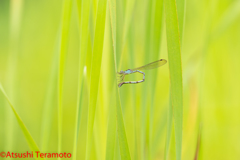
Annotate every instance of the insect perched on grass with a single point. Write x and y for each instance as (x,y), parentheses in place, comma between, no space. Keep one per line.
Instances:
(152,65)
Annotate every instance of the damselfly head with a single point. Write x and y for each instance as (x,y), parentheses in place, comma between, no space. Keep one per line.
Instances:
(120,76)
(121,72)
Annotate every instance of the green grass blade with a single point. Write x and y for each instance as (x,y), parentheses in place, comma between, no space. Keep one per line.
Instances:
(133,101)
(49,105)
(169,129)
(112,123)
(31,143)
(111,139)
(95,69)
(78,116)
(152,35)
(67,9)
(83,18)
(229,17)
(122,139)
(175,69)
(155,38)
(16,8)
(157,26)
(112,13)
(128,18)
(84,36)
(78,3)
(180,14)
(196,157)
(112,126)
(159,132)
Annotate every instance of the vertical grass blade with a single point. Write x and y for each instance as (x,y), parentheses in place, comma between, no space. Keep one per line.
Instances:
(111,139)
(157,26)
(133,101)
(231,16)
(169,129)
(175,69)
(180,14)
(159,132)
(156,30)
(50,98)
(128,18)
(78,3)
(95,69)
(122,139)
(112,125)
(83,19)
(196,157)
(78,115)
(16,8)
(84,35)
(67,9)
(31,143)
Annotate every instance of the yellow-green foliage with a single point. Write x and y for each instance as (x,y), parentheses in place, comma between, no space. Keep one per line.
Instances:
(59,93)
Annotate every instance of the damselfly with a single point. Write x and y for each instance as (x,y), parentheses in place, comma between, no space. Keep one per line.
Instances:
(152,65)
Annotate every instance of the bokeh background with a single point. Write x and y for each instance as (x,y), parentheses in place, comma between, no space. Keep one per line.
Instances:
(210,50)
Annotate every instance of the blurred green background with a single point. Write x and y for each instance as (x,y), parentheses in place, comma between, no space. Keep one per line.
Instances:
(29,47)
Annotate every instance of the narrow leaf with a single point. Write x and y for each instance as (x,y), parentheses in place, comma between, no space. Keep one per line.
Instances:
(169,129)
(95,69)
(180,14)
(83,18)
(31,143)
(198,144)
(50,98)
(122,139)
(112,126)
(231,15)
(175,68)
(67,5)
